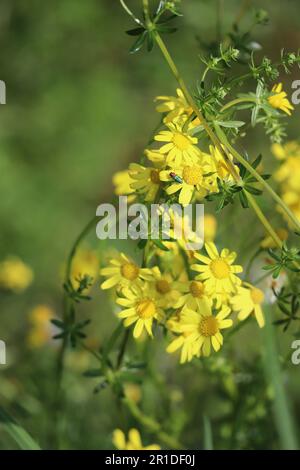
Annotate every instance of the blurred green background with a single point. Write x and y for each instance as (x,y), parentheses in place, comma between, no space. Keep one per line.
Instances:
(79,108)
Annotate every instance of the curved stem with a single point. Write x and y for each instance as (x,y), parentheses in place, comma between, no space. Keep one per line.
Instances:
(77,242)
(237,101)
(131,14)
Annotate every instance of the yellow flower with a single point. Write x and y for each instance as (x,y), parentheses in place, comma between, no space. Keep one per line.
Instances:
(199,331)
(288,174)
(248,301)
(192,181)
(210,227)
(133,392)
(194,292)
(123,272)
(15,275)
(145,180)
(292,200)
(40,331)
(141,308)
(86,262)
(122,181)
(134,441)
(217,270)
(268,241)
(279,100)
(220,166)
(156,157)
(174,106)
(167,290)
(179,147)
(282,152)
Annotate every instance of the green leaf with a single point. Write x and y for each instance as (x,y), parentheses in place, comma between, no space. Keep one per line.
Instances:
(231,124)
(93,373)
(252,190)
(243,200)
(16,432)
(150,41)
(160,245)
(257,161)
(138,43)
(135,31)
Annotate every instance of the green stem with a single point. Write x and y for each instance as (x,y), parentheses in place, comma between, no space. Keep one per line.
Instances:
(76,244)
(282,415)
(237,101)
(152,425)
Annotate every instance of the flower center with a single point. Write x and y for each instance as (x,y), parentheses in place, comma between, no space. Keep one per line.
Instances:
(163,286)
(257,295)
(145,308)
(192,175)
(154,176)
(181,141)
(209,326)
(220,268)
(130,271)
(197,289)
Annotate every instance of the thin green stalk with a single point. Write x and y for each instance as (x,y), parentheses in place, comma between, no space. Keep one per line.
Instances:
(237,101)
(208,437)
(130,13)
(282,414)
(152,426)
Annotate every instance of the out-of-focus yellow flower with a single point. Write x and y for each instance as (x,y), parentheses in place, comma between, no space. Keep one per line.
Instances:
(156,157)
(288,176)
(173,106)
(134,441)
(248,301)
(193,293)
(123,272)
(40,332)
(167,290)
(145,180)
(268,241)
(210,227)
(133,392)
(140,306)
(15,275)
(217,271)
(122,181)
(221,168)
(86,262)
(199,331)
(279,100)
(179,146)
(290,149)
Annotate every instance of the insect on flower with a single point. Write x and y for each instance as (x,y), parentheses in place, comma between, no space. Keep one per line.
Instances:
(175,177)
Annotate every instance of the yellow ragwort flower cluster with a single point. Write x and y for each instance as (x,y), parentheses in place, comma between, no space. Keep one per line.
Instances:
(190,294)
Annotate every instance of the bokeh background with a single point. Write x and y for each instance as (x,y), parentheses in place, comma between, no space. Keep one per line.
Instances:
(80,108)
